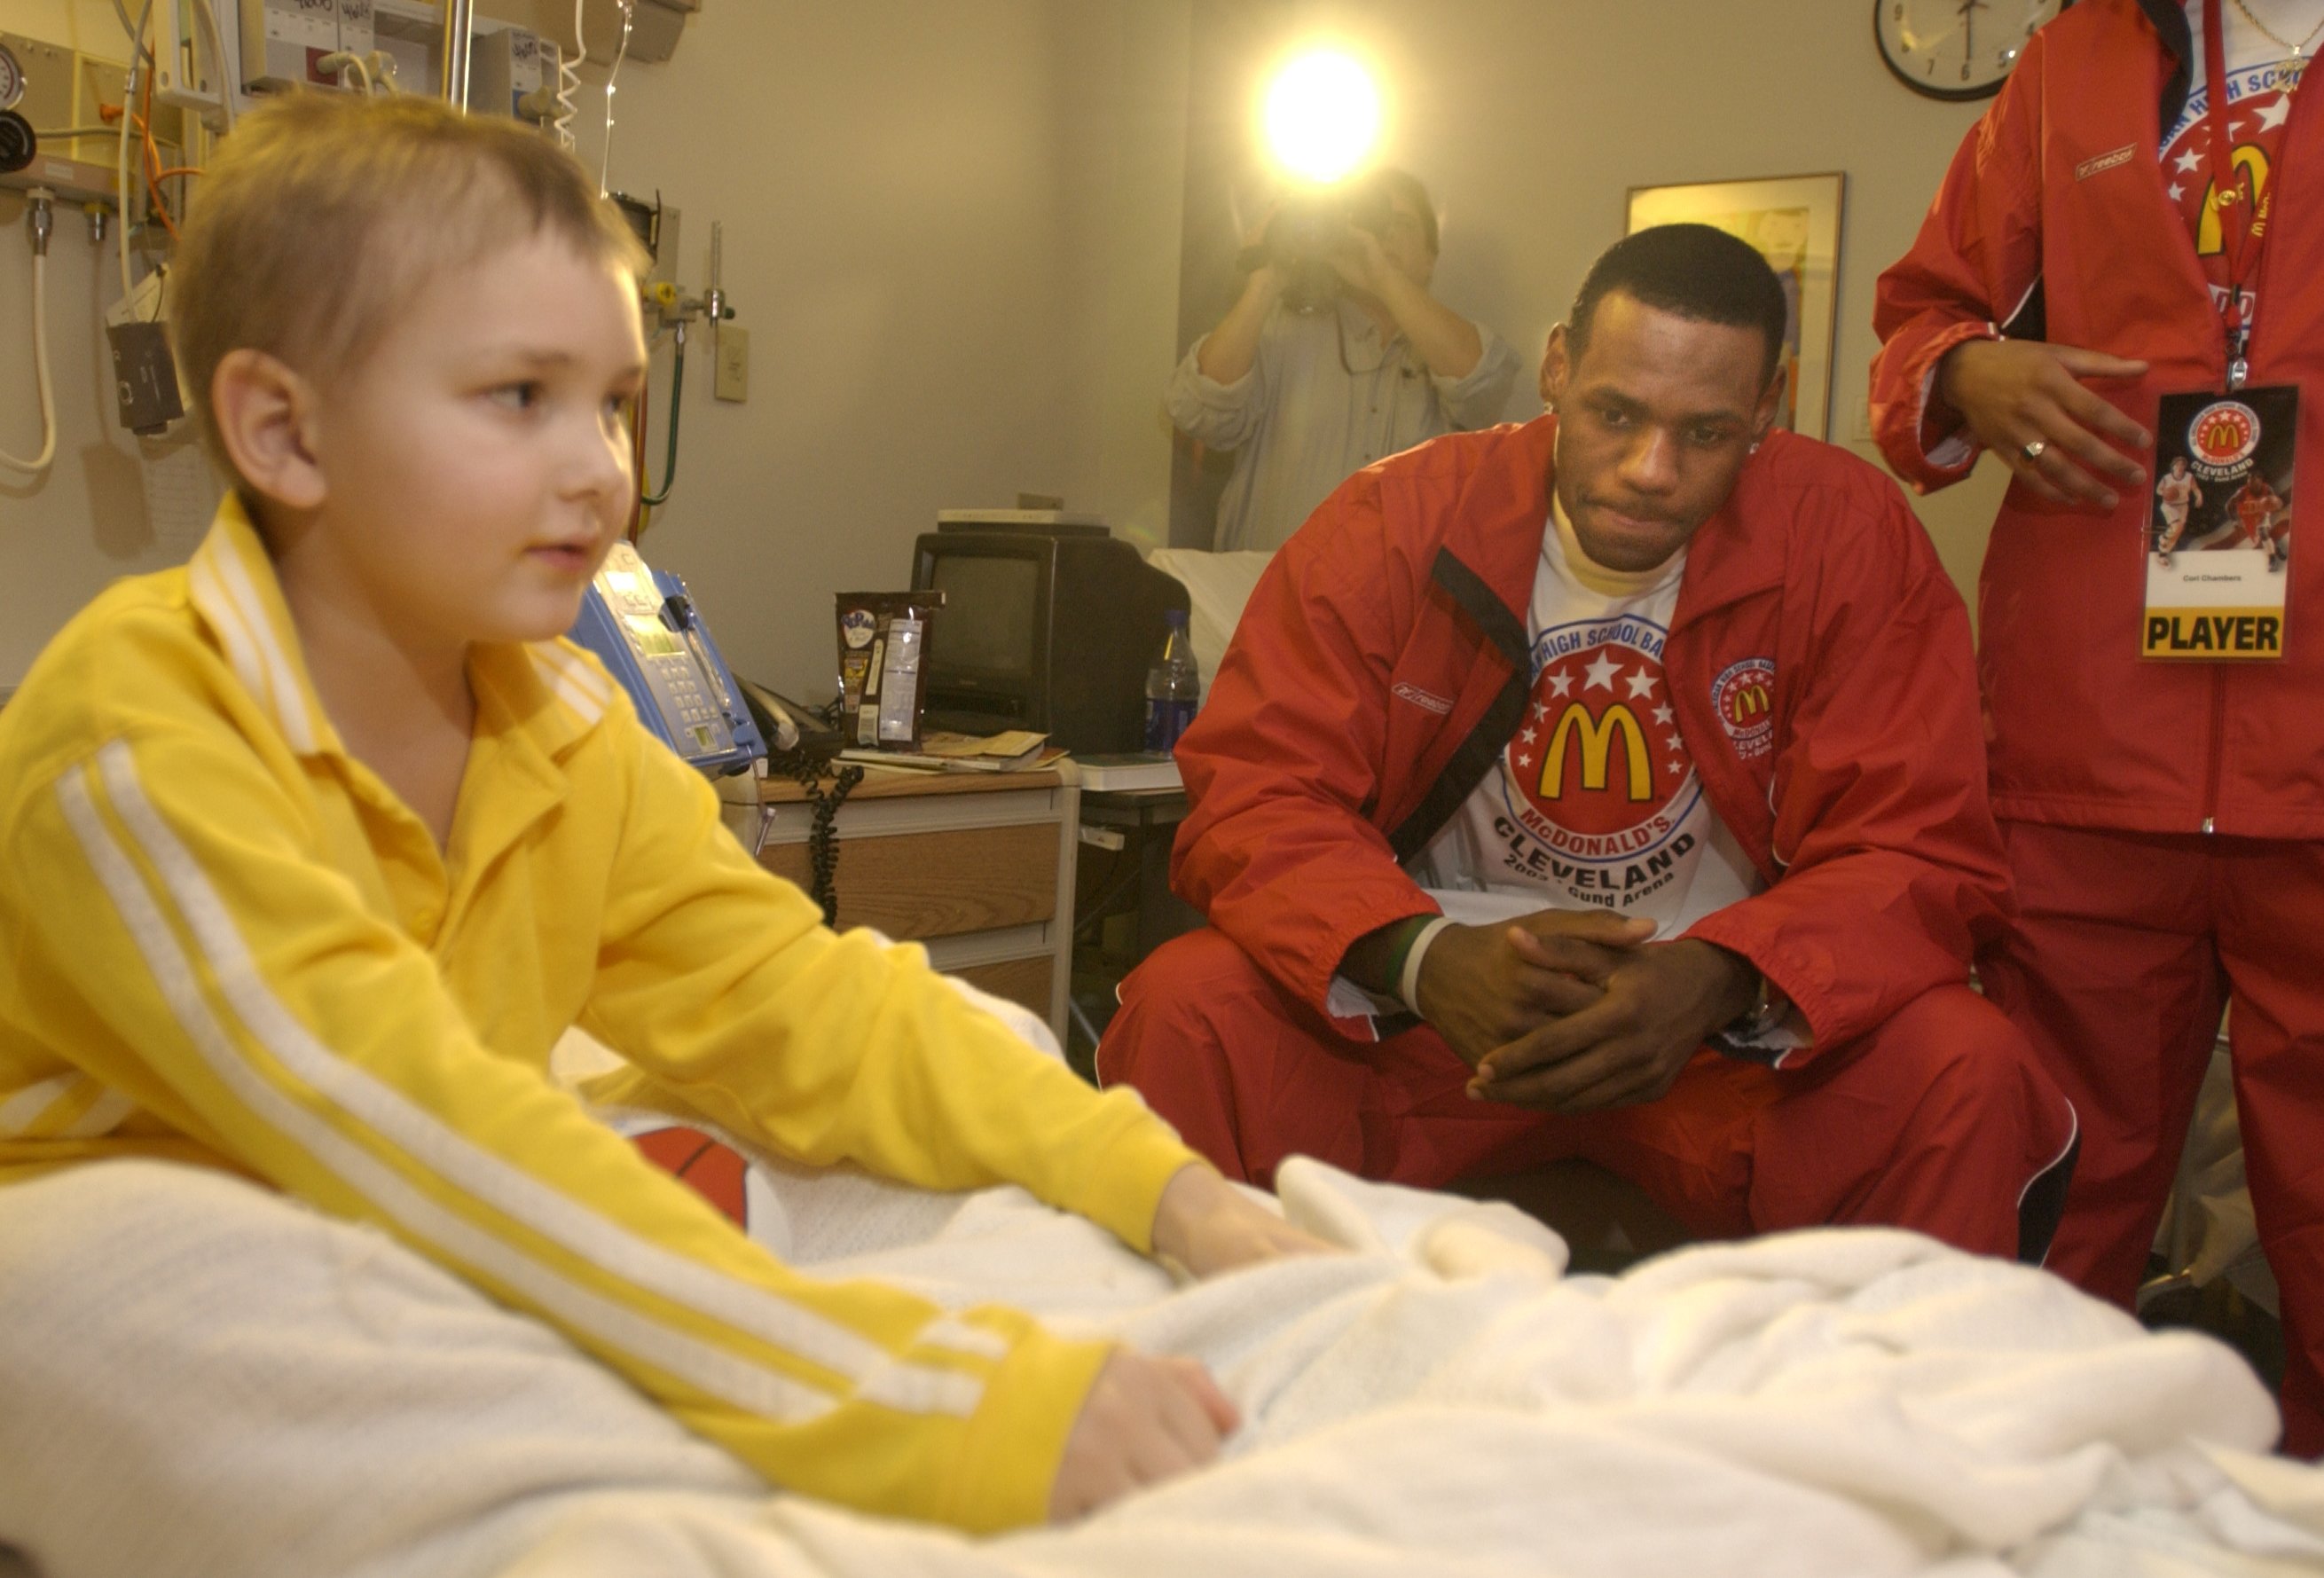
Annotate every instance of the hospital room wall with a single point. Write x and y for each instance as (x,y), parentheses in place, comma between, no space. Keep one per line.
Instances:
(955,236)
(1531,122)
(952,232)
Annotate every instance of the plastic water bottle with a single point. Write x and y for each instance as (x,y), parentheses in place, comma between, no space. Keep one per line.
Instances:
(1173,686)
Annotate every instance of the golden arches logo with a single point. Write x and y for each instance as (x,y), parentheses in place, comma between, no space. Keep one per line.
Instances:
(2208,238)
(1597,737)
(2220,435)
(1747,702)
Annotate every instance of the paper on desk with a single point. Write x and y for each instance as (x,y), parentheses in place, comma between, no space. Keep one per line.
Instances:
(1011,746)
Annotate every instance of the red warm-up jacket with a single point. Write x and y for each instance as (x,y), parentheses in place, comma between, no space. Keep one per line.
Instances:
(1382,667)
(2053,224)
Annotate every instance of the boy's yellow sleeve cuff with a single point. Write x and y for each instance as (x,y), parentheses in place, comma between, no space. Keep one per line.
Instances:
(1139,1166)
(1016,1439)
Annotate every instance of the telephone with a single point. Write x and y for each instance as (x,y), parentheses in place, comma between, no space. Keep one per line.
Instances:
(796,733)
(643,627)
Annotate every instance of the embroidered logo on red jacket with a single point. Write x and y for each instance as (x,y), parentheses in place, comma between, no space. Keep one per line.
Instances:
(1426,701)
(1744,698)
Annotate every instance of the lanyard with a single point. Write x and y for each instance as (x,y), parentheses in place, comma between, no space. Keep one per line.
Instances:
(2241,238)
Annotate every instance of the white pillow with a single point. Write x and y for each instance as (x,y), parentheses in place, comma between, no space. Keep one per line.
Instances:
(1218,584)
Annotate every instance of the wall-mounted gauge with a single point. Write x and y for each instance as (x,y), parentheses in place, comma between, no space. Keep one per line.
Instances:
(12,79)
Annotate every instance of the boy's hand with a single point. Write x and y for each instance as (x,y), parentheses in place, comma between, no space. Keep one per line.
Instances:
(1205,1226)
(1146,1420)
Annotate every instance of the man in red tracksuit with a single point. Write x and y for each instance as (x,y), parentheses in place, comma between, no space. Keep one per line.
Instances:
(2164,821)
(1610,786)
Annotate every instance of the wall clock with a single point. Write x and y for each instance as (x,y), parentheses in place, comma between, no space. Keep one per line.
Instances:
(1957,49)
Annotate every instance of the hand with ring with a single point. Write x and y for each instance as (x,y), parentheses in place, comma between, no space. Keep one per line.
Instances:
(2008,389)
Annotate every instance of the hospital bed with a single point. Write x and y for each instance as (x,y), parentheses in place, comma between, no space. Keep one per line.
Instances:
(1450,1398)
(1453,1396)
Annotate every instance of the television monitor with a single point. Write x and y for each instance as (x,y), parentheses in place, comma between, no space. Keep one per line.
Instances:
(1048,624)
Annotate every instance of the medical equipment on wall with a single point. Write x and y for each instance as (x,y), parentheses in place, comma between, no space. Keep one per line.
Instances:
(37,221)
(17,142)
(123,138)
(644,628)
(285,42)
(612,77)
(513,73)
(668,309)
(194,62)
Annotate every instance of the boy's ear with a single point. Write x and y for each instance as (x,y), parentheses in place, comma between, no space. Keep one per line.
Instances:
(265,414)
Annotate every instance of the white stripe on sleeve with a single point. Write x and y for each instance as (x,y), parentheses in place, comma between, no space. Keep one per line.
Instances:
(487,1178)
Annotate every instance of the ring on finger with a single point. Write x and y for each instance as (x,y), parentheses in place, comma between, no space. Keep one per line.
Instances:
(2033,449)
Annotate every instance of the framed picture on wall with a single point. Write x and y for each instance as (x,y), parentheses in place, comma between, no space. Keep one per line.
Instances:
(1794,221)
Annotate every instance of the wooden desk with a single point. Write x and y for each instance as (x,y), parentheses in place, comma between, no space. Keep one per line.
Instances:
(978,867)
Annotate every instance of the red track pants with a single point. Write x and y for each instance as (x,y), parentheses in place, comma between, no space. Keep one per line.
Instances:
(1939,1121)
(2125,947)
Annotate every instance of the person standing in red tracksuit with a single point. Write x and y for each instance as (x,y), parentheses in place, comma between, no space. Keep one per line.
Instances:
(1609,786)
(2164,821)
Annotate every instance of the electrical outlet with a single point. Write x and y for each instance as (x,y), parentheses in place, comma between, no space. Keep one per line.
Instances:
(733,380)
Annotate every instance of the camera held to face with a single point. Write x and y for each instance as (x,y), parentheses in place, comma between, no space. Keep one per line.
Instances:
(1304,232)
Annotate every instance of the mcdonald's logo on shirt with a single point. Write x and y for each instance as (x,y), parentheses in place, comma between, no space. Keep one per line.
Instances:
(1598,763)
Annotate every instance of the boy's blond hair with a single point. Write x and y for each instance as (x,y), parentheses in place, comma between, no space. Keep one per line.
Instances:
(323,215)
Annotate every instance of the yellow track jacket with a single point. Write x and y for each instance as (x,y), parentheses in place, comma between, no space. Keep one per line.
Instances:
(223,940)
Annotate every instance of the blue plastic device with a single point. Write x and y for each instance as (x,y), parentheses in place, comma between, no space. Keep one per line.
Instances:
(643,627)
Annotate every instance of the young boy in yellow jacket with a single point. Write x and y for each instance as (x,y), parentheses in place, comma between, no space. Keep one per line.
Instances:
(310,851)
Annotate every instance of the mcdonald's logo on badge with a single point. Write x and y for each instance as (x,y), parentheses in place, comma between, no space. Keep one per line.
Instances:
(1744,698)
(2223,433)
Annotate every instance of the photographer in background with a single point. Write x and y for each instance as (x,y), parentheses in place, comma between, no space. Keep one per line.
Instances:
(1336,355)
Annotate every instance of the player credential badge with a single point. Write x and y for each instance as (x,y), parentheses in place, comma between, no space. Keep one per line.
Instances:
(1744,697)
(2219,533)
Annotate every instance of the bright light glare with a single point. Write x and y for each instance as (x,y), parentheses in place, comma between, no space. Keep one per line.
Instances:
(1323,114)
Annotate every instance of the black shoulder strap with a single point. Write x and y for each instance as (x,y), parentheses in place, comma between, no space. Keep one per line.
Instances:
(2169,20)
(1477,753)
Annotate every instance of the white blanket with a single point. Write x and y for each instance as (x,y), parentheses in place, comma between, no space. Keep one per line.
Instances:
(1850,1402)
(1444,1401)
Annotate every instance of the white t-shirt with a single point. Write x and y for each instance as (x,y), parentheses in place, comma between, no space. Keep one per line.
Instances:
(1595,803)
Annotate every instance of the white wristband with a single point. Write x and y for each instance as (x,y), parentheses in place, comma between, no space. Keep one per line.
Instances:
(1408,987)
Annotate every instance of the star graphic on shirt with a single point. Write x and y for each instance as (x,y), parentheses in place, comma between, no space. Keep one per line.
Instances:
(2177,192)
(1663,715)
(1676,743)
(1601,673)
(2271,115)
(1641,683)
(2189,160)
(1526,760)
(1559,685)
(1531,735)
(1678,767)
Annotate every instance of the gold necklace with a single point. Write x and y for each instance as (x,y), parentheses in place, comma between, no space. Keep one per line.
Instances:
(2298,50)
